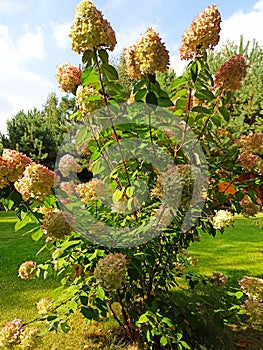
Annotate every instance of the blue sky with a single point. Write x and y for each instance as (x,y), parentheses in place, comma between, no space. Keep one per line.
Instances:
(34,38)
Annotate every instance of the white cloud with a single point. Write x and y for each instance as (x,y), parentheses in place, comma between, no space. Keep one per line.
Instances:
(249,24)
(61,35)
(32,45)
(20,88)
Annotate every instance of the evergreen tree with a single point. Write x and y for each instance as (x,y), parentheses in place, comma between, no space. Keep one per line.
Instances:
(38,133)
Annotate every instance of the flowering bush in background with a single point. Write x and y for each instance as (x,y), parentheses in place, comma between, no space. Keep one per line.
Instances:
(111,242)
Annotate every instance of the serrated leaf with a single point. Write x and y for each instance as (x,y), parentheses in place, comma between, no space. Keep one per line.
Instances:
(22,223)
(110,72)
(216,120)
(37,234)
(103,54)
(200,109)
(87,57)
(224,112)
(163,341)
(178,82)
(205,95)
(143,319)
(151,98)
(65,327)
(89,76)
(165,102)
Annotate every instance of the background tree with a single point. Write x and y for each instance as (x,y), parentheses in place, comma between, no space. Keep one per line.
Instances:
(38,133)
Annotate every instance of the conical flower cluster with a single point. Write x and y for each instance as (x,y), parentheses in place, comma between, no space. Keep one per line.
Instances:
(27,270)
(110,271)
(10,333)
(202,34)
(68,164)
(147,56)
(90,30)
(37,182)
(91,190)
(68,77)
(223,219)
(12,166)
(229,76)
(55,224)
(89,100)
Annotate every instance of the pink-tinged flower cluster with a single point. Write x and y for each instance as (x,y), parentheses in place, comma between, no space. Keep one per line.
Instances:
(90,30)
(68,164)
(252,287)
(56,224)
(92,190)
(223,219)
(68,77)
(249,208)
(36,182)
(202,34)
(252,142)
(28,338)
(219,279)
(111,270)
(148,56)
(89,100)
(254,308)
(44,306)
(12,166)
(10,333)
(13,335)
(229,77)
(250,158)
(68,187)
(27,270)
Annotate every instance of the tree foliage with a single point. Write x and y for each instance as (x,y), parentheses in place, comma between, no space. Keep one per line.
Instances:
(38,133)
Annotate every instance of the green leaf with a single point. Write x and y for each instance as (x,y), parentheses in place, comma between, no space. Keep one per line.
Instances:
(87,57)
(37,234)
(178,82)
(205,95)
(195,70)
(100,293)
(163,341)
(90,313)
(225,113)
(140,94)
(65,327)
(22,223)
(110,72)
(200,109)
(103,54)
(151,98)
(89,76)
(143,319)
(216,120)
(165,102)
(139,85)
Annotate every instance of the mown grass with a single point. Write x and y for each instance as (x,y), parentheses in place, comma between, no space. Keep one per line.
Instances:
(237,252)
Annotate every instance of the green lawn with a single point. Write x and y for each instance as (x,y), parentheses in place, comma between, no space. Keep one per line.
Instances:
(18,297)
(237,252)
